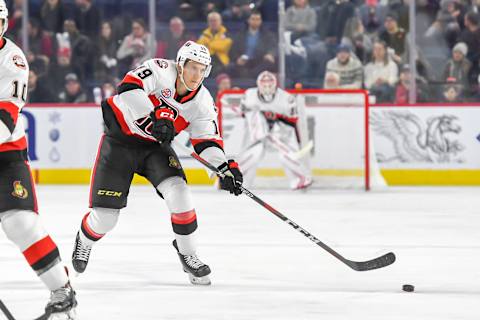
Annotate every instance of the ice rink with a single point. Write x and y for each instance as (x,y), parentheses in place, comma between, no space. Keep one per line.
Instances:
(263,269)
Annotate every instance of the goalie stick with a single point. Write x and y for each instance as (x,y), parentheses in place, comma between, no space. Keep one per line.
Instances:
(380,262)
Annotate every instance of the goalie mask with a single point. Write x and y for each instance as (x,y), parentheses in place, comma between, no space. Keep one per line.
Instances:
(267,85)
(3,17)
(195,52)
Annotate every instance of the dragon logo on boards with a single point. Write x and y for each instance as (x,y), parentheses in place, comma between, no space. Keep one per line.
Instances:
(19,191)
(434,140)
(173,163)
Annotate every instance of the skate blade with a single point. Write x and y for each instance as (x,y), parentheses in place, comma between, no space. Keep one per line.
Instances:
(200,281)
(69,315)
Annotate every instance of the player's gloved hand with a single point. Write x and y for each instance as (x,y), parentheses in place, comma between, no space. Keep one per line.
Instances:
(163,129)
(233,177)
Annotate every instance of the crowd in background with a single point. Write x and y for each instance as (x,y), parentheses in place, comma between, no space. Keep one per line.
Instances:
(79,50)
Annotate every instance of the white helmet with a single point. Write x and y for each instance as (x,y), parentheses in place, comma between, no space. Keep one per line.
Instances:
(267,85)
(195,52)
(4,17)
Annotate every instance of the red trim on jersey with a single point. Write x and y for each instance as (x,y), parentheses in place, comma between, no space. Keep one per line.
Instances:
(10,108)
(20,144)
(184,217)
(154,100)
(92,178)
(197,141)
(39,250)
(87,228)
(34,191)
(291,120)
(189,96)
(180,124)
(2,42)
(131,79)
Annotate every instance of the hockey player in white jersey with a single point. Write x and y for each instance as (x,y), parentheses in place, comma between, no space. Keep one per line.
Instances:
(156,101)
(18,204)
(271,122)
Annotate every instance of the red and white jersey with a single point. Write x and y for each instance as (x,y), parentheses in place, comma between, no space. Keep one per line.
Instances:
(195,112)
(13,93)
(282,107)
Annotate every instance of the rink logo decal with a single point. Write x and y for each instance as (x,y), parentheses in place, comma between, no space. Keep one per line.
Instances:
(19,191)
(18,61)
(109,193)
(167,93)
(173,163)
(434,140)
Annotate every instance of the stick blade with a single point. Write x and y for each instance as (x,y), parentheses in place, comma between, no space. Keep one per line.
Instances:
(377,263)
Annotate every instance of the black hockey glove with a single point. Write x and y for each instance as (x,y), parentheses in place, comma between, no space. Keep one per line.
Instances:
(163,129)
(233,177)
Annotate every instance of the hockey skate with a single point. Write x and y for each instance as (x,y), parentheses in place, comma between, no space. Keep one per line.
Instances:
(197,270)
(81,254)
(62,304)
(303,184)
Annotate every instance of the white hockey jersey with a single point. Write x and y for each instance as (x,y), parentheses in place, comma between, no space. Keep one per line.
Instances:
(195,112)
(13,94)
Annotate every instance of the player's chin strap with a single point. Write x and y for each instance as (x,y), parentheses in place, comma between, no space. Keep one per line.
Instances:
(379,262)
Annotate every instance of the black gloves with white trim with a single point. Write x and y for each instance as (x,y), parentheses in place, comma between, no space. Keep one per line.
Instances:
(233,177)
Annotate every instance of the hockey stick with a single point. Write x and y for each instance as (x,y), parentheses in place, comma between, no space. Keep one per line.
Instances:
(5,311)
(380,262)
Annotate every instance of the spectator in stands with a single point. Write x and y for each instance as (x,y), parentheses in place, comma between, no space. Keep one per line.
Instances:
(471,37)
(372,14)
(107,47)
(356,37)
(394,36)
(173,40)
(82,51)
(237,10)
(216,39)
(39,42)
(381,74)
(38,90)
(254,49)
(60,68)
(446,24)
(332,80)
(15,21)
(452,93)
(73,92)
(347,67)
(402,90)
(458,67)
(87,18)
(332,18)
(52,16)
(300,19)
(136,47)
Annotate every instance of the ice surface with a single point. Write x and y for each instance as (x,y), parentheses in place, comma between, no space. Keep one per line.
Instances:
(263,269)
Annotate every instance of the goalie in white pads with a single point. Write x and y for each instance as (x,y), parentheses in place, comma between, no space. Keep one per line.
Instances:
(272,122)
(19,217)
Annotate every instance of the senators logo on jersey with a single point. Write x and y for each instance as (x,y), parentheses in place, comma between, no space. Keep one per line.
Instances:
(19,191)
(18,61)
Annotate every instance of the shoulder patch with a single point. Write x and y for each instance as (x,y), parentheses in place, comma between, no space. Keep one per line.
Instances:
(19,62)
(161,63)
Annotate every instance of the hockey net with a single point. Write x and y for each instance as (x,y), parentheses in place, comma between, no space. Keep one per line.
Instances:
(336,121)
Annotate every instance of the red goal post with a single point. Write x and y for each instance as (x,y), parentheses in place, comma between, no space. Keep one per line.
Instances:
(318,104)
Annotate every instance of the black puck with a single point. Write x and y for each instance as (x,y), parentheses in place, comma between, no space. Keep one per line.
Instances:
(408,288)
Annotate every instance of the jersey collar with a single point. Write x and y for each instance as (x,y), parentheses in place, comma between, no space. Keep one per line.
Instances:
(3,42)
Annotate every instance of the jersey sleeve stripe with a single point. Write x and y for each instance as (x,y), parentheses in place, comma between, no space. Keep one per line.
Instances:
(20,144)
(9,114)
(124,87)
(201,144)
(133,80)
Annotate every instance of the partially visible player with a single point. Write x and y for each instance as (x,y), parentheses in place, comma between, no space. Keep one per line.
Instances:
(156,101)
(271,121)
(18,204)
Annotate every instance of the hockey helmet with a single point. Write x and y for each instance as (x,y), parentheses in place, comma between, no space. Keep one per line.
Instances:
(4,17)
(267,85)
(195,52)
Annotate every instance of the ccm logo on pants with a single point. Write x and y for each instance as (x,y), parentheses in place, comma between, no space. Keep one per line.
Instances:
(109,193)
